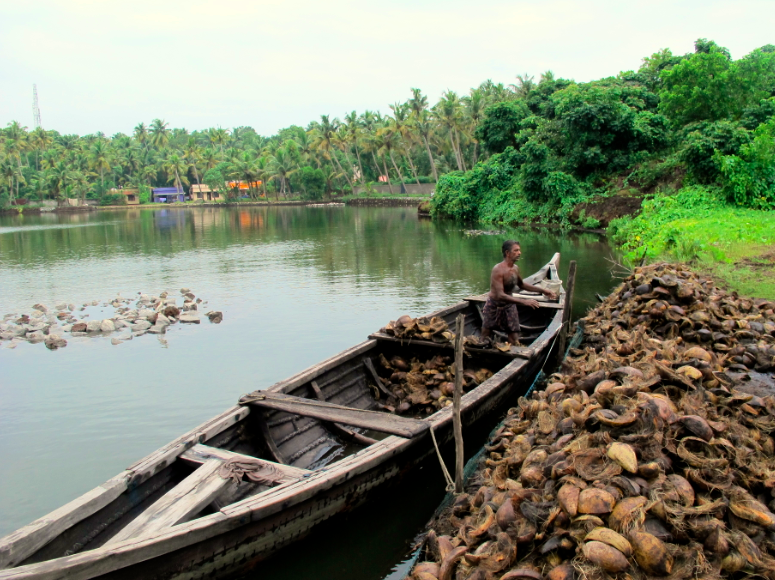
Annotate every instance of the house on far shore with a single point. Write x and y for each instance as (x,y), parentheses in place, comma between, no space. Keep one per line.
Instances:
(132,195)
(167,194)
(204,193)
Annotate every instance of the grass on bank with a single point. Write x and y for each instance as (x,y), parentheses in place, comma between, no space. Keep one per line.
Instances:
(696,225)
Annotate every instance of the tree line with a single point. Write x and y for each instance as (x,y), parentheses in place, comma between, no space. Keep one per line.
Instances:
(700,118)
(415,143)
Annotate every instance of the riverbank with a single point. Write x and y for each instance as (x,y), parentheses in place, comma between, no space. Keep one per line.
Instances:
(359,201)
(648,453)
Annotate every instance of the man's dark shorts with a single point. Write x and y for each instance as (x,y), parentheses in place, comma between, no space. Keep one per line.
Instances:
(503,317)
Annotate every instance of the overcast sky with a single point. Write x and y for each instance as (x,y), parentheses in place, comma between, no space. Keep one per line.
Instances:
(104,65)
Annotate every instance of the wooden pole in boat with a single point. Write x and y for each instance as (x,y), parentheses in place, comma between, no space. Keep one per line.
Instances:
(456,422)
(567,310)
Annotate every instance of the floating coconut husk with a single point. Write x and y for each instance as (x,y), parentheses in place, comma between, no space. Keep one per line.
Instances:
(649,455)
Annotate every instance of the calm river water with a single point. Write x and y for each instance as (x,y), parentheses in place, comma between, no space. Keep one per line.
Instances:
(295,284)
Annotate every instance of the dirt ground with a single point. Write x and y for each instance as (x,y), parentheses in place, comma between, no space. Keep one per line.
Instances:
(606,209)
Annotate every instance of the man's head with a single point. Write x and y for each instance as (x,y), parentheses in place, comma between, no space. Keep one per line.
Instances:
(511,249)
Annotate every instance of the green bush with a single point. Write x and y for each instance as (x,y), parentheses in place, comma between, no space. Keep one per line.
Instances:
(750,176)
(113,199)
(500,125)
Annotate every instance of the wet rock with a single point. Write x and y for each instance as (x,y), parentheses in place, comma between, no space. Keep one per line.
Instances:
(54,341)
(215,316)
(35,336)
(61,306)
(79,327)
(107,325)
(184,290)
(141,325)
(171,311)
(115,341)
(40,308)
(71,307)
(146,313)
(162,320)
(93,325)
(158,329)
(189,318)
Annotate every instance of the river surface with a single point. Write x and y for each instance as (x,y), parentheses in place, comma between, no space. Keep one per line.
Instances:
(296,285)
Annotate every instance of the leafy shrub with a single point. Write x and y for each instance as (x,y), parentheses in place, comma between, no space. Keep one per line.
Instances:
(500,124)
(750,176)
(702,143)
(113,199)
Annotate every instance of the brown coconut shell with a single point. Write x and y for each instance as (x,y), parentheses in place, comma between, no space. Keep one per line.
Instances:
(612,538)
(624,455)
(596,501)
(568,497)
(651,554)
(649,470)
(697,425)
(626,513)
(607,557)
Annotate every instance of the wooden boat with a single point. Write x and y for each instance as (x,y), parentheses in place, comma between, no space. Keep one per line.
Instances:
(315,446)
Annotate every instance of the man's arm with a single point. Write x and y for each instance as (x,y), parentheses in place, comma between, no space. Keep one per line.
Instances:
(496,282)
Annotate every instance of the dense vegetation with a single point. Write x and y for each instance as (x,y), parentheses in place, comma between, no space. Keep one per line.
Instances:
(701,119)
(414,144)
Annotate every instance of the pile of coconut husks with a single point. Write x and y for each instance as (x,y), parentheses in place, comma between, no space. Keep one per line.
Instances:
(651,455)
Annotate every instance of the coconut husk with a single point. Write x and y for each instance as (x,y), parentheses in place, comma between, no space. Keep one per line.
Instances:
(648,442)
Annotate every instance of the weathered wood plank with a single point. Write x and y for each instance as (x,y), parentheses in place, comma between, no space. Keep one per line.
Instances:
(410,341)
(186,499)
(382,422)
(19,545)
(200,454)
(340,429)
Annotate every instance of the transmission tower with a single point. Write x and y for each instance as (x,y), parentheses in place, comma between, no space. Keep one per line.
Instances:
(35,107)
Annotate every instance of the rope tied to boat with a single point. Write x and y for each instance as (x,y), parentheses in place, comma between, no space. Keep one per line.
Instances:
(450,483)
(256,471)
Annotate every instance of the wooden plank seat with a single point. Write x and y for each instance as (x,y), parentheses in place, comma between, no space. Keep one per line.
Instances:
(380,422)
(200,454)
(196,491)
(186,499)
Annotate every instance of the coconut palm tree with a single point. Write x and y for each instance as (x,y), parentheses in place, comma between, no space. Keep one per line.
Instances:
(474,107)
(423,124)
(100,159)
(323,139)
(160,134)
(353,125)
(282,166)
(218,137)
(447,112)
(176,169)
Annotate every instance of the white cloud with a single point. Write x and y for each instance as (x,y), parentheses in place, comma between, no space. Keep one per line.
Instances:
(105,66)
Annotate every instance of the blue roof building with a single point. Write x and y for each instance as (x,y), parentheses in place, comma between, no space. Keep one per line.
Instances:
(167,194)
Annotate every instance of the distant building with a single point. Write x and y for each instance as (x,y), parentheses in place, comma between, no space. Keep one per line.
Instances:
(204,193)
(132,195)
(243,185)
(167,195)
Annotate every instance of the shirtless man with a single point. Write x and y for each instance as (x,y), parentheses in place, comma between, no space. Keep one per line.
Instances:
(500,310)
